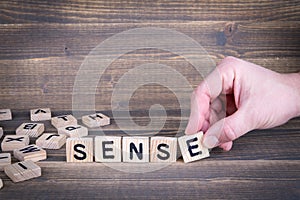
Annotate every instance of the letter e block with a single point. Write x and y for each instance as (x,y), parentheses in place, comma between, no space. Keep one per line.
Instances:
(30,129)
(12,142)
(5,159)
(30,152)
(63,120)
(75,131)
(135,149)
(96,120)
(51,141)
(79,149)
(40,114)
(108,149)
(23,171)
(163,149)
(5,114)
(191,147)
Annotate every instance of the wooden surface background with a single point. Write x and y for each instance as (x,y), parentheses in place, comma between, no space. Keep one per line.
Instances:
(43,43)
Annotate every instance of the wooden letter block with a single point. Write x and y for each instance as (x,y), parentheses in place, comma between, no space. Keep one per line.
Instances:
(79,150)
(135,149)
(5,114)
(30,152)
(5,159)
(1,184)
(23,171)
(12,142)
(1,132)
(63,120)
(40,114)
(108,149)
(96,120)
(51,141)
(75,131)
(163,149)
(30,129)
(191,147)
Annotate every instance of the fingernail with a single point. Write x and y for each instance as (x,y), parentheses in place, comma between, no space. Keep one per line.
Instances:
(210,141)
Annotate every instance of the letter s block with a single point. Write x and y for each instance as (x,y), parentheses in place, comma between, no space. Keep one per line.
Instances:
(163,149)
(191,147)
(79,150)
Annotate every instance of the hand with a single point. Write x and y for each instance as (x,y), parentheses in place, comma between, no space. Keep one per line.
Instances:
(256,98)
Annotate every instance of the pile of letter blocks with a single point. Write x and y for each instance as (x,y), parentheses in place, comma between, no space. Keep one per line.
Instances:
(80,148)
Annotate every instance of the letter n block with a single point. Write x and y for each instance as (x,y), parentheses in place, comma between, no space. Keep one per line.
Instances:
(30,129)
(30,152)
(108,149)
(96,120)
(23,171)
(51,141)
(163,149)
(71,131)
(5,159)
(135,149)
(63,120)
(40,114)
(79,150)
(191,147)
(12,142)
(5,114)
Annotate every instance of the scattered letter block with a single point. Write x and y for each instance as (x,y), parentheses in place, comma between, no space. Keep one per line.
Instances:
(191,147)
(63,120)
(79,150)
(108,149)
(96,120)
(22,171)
(163,149)
(12,142)
(51,141)
(5,159)
(30,129)
(1,132)
(40,114)
(5,114)
(135,149)
(73,131)
(30,152)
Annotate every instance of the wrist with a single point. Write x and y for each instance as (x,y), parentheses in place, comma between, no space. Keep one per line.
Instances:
(293,81)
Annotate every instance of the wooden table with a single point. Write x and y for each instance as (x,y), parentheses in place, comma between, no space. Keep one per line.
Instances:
(43,44)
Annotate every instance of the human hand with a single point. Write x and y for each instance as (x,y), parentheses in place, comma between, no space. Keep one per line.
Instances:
(255,98)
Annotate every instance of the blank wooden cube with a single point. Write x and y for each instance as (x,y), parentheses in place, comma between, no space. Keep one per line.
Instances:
(30,129)
(40,114)
(191,147)
(79,149)
(30,152)
(5,114)
(63,120)
(96,120)
(73,131)
(163,149)
(1,132)
(22,171)
(135,149)
(12,142)
(108,149)
(5,159)
(51,141)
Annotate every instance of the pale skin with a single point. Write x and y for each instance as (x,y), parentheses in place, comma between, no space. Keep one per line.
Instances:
(256,98)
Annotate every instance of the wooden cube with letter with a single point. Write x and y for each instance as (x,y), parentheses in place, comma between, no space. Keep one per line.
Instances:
(79,149)
(63,120)
(51,141)
(5,159)
(30,152)
(135,149)
(30,129)
(12,142)
(5,114)
(96,120)
(73,131)
(108,149)
(22,171)
(191,147)
(40,114)
(163,149)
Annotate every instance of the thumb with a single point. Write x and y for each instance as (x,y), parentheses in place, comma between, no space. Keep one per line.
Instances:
(227,129)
